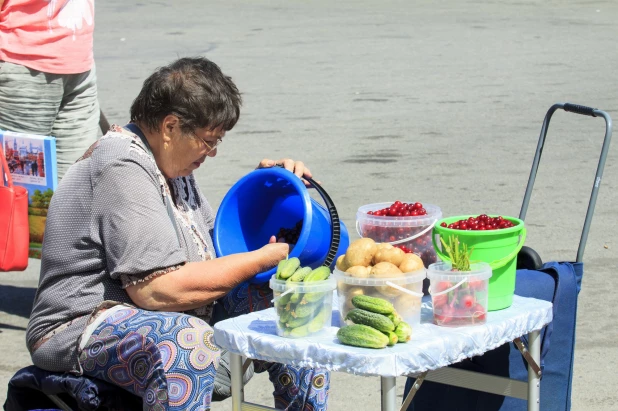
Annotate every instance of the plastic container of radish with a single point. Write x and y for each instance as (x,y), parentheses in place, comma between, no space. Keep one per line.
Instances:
(459,297)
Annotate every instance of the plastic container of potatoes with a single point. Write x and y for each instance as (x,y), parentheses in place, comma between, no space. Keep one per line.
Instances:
(383,271)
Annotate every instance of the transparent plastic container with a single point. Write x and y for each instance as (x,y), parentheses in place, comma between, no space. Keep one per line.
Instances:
(302,308)
(459,297)
(404,292)
(413,232)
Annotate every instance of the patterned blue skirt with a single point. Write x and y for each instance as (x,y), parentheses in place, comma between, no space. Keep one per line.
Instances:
(170,360)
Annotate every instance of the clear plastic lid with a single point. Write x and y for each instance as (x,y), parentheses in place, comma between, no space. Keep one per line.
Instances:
(434,213)
(311,287)
(442,271)
(407,278)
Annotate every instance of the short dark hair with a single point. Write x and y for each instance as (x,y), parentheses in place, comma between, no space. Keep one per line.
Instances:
(192,88)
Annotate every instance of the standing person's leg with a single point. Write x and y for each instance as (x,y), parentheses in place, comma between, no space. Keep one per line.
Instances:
(77,123)
(168,359)
(29,99)
(295,388)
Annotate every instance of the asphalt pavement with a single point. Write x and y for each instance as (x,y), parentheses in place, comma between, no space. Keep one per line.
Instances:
(437,102)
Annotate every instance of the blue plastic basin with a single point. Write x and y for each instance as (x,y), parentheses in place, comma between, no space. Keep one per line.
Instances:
(264,201)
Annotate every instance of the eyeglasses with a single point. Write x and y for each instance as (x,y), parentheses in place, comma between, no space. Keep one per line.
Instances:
(211,146)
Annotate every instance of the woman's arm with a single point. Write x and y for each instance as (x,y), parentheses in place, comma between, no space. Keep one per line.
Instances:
(199,283)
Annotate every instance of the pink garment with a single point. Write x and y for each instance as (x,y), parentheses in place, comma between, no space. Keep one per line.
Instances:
(52,36)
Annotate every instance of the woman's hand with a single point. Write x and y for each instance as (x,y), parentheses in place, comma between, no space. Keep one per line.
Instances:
(273,252)
(296,167)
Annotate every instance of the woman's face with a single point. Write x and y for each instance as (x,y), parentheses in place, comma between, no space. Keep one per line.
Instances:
(183,153)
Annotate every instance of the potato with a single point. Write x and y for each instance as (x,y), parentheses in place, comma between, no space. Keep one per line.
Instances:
(388,291)
(385,270)
(407,305)
(384,245)
(358,271)
(352,292)
(392,255)
(411,262)
(373,292)
(342,264)
(361,252)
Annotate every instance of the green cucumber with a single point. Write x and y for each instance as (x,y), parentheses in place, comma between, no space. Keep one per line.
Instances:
(294,322)
(296,297)
(392,338)
(285,299)
(378,321)
(289,268)
(318,322)
(304,310)
(316,296)
(395,318)
(318,274)
(373,304)
(315,324)
(403,331)
(285,315)
(360,335)
(299,274)
(280,266)
(301,331)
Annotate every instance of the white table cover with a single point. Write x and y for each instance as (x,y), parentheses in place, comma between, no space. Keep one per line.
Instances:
(431,347)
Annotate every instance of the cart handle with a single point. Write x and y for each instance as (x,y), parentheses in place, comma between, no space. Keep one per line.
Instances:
(576,108)
(586,111)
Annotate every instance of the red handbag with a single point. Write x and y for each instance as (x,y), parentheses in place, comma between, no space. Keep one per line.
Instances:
(14,231)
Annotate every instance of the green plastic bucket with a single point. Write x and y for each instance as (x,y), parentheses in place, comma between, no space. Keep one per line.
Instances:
(498,248)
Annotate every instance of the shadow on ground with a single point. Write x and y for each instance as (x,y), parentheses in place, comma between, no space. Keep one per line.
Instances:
(16,301)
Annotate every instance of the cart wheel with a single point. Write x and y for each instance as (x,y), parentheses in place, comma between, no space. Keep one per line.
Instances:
(528,259)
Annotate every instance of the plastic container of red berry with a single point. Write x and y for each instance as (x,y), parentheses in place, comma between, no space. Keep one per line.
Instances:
(404,225)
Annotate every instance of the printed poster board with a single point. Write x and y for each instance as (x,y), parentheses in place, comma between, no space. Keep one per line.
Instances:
(32,163)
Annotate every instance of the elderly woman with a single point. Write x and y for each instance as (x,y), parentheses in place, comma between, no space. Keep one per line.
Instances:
(128,274)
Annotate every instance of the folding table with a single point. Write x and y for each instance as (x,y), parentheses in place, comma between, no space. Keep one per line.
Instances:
(425,356)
